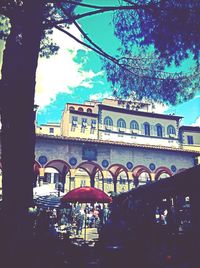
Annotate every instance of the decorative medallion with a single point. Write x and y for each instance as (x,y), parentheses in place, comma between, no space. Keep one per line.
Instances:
(105,163)
(42,159)
(173,168)
(152,166)
(129,165)
(73,161)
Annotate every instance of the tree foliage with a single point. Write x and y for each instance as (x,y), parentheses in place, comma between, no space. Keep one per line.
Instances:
(171,26)
(166,32)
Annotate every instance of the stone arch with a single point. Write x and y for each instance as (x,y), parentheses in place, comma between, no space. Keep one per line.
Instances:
(160,170)
(36,172)
(91,168)
(137,172)
(139,169)
(60,165)
(115,170)
(62,168)
(36,168)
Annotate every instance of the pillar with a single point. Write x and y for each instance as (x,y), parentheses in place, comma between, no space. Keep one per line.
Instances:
(105,176)
(130,178)
(92,182)
(153,175)
(115,183)
(41,175)
(72,178)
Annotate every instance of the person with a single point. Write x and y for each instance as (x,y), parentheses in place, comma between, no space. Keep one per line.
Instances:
(63,220)
(105,214)
(79,221)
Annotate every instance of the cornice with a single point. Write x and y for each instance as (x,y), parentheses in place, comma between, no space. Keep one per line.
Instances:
(116,143)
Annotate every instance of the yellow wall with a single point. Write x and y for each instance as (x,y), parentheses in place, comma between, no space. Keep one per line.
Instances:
(44,129)
(140,120)
(196,137)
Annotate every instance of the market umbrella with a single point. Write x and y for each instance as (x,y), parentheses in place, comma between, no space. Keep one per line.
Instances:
(47,201)
(86,194)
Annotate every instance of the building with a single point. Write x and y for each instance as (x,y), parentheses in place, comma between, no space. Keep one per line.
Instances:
(124,122)
(114,145)
(155,143)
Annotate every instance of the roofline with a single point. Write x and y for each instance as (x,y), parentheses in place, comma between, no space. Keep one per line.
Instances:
(83,113)
(146,146)
(78,104)
(192,128)
(148,114)
(50,124)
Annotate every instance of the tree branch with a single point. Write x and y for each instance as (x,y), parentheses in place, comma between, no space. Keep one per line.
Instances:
(127,67)
(102,10)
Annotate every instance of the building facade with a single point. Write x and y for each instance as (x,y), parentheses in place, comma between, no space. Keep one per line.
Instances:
(116,145)
(113,145)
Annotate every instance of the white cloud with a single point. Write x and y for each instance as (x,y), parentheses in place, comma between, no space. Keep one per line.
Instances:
(197,122)
(60,73)
(100,96)
(160,108)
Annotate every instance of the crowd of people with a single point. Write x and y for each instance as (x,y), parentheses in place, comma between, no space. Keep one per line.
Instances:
(69,220)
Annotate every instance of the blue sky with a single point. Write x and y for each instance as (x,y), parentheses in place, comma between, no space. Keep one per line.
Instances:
(75,74)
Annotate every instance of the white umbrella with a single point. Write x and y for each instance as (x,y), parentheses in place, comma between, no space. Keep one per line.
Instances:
(47,201)
(45,190)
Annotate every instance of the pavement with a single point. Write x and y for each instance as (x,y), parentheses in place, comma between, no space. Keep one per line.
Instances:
(89,236)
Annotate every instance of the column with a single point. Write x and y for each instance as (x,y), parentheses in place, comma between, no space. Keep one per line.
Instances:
(105,175)
(130,178)
(72,178)
(92,182)
(115,183)
(41,175)
(153,175)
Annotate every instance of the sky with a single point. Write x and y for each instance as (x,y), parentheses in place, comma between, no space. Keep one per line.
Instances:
(75,74)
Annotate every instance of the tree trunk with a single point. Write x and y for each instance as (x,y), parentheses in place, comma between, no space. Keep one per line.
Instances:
(18,132)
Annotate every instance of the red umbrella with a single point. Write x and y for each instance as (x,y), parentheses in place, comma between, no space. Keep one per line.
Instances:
(86,194)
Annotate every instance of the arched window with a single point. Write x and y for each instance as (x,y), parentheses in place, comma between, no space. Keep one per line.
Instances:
(80,109)
(159,130)
(71,108)
(134,125)
(171,130)
(108,121)
(89,110)
(146,129)
(121,123)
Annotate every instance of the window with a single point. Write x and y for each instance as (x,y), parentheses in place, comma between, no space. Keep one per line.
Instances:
(146,129)
(80,109)
(71,108)
(74,120)
(56,178)
(134,125)
(89,110)
(93,123)
(171,130)
(190,140)
(121,123)
(159,130)
(108,121)
(47,178)
(51,130)
(84,122)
